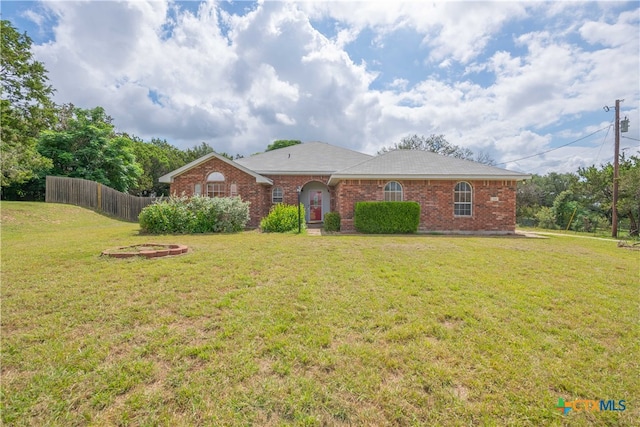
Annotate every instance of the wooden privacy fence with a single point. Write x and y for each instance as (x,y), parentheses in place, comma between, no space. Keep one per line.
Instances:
(93,195)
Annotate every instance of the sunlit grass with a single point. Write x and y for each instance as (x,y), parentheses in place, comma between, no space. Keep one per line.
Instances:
(270,329)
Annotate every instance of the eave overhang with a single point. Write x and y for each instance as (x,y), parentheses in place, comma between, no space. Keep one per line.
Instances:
(335,178)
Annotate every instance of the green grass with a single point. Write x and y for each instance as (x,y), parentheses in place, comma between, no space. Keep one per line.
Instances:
(605,233)
(269,329)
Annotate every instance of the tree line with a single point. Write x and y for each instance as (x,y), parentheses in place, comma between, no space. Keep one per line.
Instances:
(582,201)
(40,138)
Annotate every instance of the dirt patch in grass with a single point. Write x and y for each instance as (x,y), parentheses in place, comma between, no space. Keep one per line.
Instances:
(632,246)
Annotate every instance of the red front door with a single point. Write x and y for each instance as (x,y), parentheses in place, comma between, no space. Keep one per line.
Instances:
(315,205)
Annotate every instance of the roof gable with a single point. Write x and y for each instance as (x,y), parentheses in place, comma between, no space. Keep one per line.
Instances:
(317,158)
(168,178)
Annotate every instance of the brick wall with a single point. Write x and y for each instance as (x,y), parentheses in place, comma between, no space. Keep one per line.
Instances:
(494,202)
(259,195)
(290,183)
(247,187)
(493,207)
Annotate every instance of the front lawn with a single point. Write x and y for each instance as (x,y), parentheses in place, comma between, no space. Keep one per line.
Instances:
(270,329)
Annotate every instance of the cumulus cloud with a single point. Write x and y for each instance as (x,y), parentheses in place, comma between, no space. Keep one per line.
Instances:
(197,72)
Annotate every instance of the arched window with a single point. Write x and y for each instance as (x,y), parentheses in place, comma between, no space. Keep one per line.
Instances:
(393,192)
(215,177)
(215,185)
(462,197)
(277,195)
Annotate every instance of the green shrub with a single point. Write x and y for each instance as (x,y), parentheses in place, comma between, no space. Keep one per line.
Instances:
(165,216)
(283,218)
(564,208)
(546,218)
(197,214)
(234,214)
(589,222)
(387,217)
(332,221)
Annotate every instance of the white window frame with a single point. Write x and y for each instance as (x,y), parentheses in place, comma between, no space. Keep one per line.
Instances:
(215,185)
(463,199)
(215,189)
(395,194)
(197,189)
(275,198)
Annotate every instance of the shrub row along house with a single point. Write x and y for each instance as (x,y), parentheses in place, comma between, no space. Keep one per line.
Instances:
(455,195)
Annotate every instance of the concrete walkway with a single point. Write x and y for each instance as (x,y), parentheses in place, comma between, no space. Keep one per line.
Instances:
(547,233)
(316,231)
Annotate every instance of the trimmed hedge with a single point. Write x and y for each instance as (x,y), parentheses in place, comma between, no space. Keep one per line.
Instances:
(387,217)
(332,221)
(197,214)
(283,218)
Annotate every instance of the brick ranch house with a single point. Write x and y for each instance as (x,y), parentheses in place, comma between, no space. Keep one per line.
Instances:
(455,196)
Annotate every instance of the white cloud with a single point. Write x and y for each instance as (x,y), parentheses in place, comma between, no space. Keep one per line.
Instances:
(238,82)
(453,30)
(611,34)
(35,17)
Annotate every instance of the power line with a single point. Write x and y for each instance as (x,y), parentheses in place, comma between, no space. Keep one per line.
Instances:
(628,137)
(551,161)
(604,139)
(554,149)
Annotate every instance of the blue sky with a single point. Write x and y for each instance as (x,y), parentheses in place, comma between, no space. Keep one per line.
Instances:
(512,79)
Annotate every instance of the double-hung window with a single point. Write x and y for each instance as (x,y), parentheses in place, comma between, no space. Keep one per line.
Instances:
(277,195)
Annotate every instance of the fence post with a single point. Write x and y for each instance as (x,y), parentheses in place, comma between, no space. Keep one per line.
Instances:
(99,189)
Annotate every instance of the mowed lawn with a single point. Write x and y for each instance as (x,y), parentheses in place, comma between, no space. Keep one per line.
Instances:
(267,329)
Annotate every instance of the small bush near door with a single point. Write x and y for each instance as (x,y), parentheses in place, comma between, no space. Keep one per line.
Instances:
(332,221)
(283,218)
(387,217)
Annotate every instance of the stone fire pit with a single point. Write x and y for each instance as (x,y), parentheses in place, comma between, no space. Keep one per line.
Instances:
(148,250)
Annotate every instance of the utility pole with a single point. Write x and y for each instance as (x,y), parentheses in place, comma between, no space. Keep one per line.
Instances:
(616,155)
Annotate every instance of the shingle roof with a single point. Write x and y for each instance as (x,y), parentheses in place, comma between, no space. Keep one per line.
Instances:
(310,158)
(414,164)
(318,158)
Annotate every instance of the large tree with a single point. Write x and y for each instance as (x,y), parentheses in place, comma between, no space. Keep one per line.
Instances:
(85,145)
(629,192)
(541,191)
(282,143)
(25,107)
(596,189)
(197,151)
(156,158)
(437,144)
